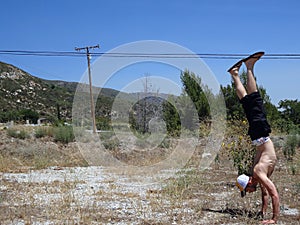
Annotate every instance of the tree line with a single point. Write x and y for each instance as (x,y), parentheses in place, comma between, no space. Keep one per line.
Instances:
(284,118)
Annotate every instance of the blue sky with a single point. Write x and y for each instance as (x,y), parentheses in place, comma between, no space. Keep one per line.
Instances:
(206,26)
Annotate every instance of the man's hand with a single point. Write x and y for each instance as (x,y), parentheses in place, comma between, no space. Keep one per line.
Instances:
(269,222)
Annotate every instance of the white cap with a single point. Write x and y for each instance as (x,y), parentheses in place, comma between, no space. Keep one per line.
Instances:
(242,182)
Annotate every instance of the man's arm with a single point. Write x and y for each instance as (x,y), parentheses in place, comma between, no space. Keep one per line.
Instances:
(270,187)
(264,198)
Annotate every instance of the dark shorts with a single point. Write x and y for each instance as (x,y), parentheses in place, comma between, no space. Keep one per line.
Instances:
(256,116)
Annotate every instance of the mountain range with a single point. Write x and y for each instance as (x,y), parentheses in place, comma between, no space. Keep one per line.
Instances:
(21,90)
(53,98)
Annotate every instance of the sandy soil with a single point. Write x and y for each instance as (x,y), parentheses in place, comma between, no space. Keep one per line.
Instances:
(96,195)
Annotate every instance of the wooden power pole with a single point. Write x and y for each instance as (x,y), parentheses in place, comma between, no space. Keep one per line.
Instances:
(90,81)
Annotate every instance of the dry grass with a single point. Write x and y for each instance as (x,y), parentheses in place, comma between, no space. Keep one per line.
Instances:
(35,153)
(31,194)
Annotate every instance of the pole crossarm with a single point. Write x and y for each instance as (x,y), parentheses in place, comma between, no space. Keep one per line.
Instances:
(87,47)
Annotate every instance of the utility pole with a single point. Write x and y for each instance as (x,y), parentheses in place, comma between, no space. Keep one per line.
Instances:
(90,81)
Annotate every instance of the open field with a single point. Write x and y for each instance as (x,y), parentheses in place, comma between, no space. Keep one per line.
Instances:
(45,182)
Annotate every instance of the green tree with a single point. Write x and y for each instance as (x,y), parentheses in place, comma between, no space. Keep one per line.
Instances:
(197,92)
(171,117)
(235,110)
(290,109)
(29,114)
(19,115)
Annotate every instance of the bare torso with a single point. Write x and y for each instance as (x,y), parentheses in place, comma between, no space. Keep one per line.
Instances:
(266,157)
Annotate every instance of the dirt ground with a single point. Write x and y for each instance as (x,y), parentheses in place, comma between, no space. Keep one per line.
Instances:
(42,182)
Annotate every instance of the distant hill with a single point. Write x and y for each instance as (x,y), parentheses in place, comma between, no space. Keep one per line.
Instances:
(50,98)
(20,90)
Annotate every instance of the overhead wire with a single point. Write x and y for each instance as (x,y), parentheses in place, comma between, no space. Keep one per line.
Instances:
(289,56)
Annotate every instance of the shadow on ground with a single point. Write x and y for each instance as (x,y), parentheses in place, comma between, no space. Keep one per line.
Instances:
(236,212)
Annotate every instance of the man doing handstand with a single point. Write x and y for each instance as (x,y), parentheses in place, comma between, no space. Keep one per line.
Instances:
(259,129)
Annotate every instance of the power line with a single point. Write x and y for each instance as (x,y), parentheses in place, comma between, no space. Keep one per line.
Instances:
(40,53)
(289,56)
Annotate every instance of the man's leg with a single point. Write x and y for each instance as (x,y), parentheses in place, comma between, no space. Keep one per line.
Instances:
(249,62)
(240,89)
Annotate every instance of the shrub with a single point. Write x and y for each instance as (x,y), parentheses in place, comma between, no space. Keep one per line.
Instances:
(166,143)
(109,140)
(111,144)
(238,146)
(21,134)
(290,145)
(293,169)
(44,131)
(64,134)
(103,123)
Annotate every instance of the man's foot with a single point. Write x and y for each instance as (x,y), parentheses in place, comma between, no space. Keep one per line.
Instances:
(251,60)
(269,222)
(234,70)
